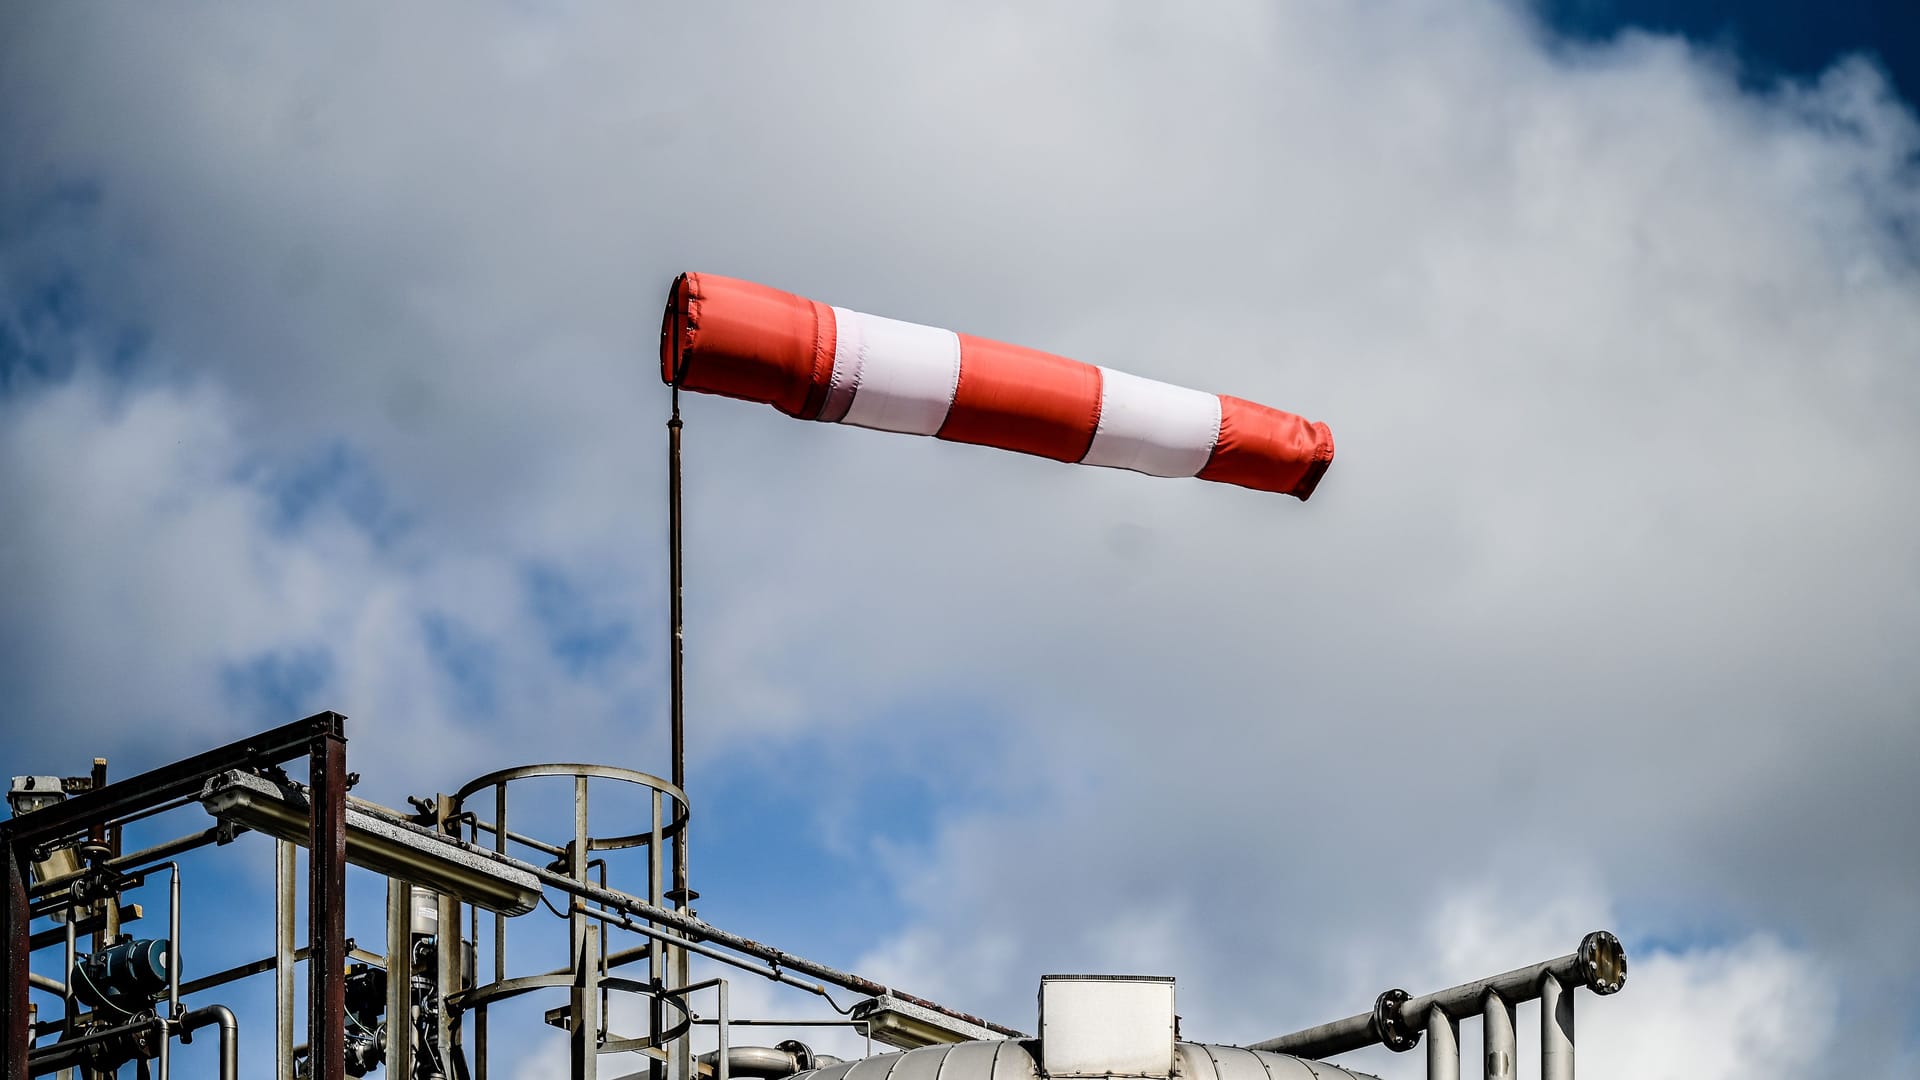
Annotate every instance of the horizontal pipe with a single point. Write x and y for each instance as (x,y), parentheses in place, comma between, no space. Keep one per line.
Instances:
(157,853)
(42,982)
(1599,964)
(68,1053)
(710,953)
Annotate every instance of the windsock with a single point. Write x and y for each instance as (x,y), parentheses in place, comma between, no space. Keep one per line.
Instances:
(814,362)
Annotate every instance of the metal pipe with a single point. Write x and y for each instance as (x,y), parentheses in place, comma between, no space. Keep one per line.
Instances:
(283,946)
(723,1042)
(144,859)
(50,985)
(584,1039)
(1497,1037)
(1599,964)
(677,693)
(1443,1046)
(173,941)
(698,930)
(399,980)
(68,1053)
(97,838)
(72,955)
(1556,1029)
(623,923)
(195,1019)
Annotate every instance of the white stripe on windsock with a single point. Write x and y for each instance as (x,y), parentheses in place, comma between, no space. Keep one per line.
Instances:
(1153,427)
(899,376)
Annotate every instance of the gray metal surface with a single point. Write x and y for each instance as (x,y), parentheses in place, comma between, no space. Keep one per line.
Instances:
(1013,1059)
(1556,1030)
(1497,1037)
(1443,1046)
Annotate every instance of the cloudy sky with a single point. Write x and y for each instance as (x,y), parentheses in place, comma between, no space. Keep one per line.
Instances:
(328,380)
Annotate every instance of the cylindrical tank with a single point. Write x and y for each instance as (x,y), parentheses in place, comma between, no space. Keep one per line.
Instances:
(1012,1059)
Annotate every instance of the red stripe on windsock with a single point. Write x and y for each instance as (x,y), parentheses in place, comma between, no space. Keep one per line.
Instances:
(1023,399)
(1268,450)
(741,340)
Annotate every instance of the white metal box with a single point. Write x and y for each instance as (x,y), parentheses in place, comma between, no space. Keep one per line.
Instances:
(1106,1025)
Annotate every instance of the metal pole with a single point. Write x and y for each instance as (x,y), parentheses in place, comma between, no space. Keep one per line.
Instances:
(1443,1046)
(399,980)
(656,950)
(1556,1030)
(720,1064)
(326,905)
(585,1036)
(1496,1028)
(109,926)
(283,948)
(676,614)
(173,941)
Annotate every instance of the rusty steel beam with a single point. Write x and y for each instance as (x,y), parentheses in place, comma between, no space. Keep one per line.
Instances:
(327,905)
(15,1013)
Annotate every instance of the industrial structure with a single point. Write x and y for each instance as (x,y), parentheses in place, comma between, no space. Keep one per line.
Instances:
(94,986)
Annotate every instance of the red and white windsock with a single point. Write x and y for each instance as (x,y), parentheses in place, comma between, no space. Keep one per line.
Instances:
(815,362)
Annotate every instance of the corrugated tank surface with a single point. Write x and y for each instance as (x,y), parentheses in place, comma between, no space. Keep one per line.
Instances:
(1014,1060)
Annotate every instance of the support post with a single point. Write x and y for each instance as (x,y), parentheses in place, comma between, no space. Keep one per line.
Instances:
(584,1039)
(1556,1030)
(327,904)
(1496,1027)
(283,958)
(399,980)
(1443,1046)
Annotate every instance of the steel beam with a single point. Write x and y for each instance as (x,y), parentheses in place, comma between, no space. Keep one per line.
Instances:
(181,778)
(327,905)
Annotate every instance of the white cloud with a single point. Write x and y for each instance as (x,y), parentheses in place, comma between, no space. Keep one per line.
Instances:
(1613,570)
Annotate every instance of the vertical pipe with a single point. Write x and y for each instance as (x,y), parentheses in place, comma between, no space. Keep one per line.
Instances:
(1443,1045)
(69,1008)
(173,941)
(499,845)
(447,951)
(1556,1030)
(584,1041)
(725,1042)
(1496,1026)
(327,904)
(109,926)
(656,885)
(283,959)
(399,980)
(680,1056)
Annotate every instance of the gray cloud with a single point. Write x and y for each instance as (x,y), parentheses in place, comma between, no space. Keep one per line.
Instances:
(1605,605)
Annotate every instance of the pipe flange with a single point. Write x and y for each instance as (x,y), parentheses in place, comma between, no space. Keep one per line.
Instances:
(1603,963)
(1387,1027)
